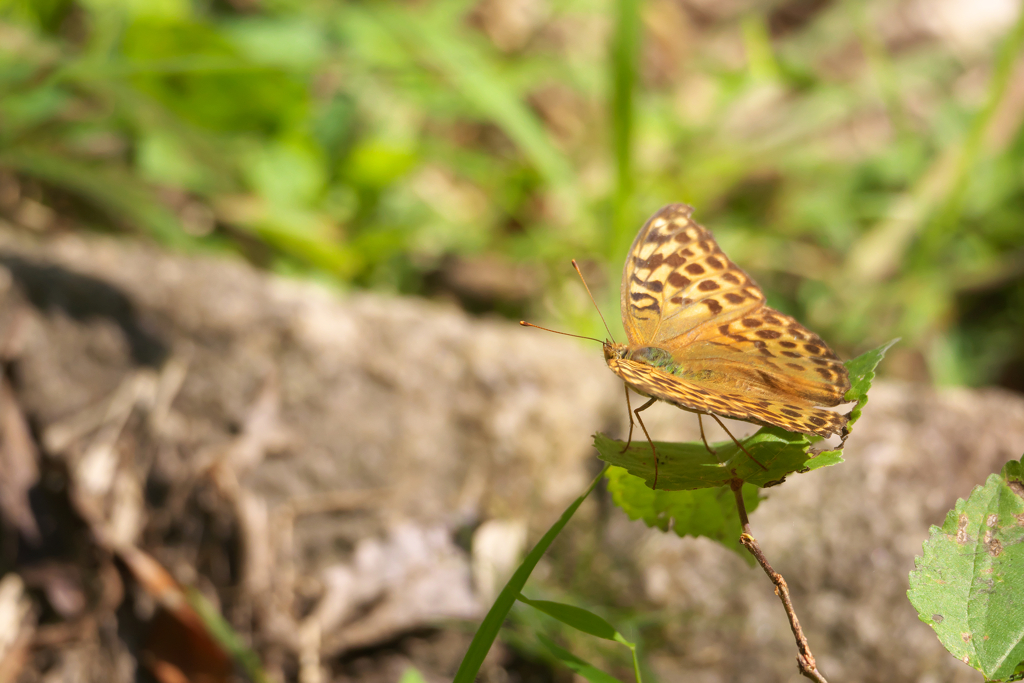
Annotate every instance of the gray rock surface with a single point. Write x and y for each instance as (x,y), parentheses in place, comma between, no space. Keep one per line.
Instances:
(316,460)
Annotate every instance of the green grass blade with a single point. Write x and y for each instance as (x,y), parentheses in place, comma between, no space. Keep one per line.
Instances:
(577,617)
(227,636)
(587,671)
(475,77)
(118,194)
(491,624)
(624,57)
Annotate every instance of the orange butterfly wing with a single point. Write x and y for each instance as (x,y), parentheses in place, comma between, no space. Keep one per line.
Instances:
(731,354)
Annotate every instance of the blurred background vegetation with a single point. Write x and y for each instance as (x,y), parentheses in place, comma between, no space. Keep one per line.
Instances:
(863,160)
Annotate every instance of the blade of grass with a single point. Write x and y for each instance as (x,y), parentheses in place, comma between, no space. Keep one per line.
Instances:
(624,56)
(118,194)
(227,636)
(585,621)
(582,668)
(939,192)
(577,617)
(1004,68)
(475,76)
(491,624)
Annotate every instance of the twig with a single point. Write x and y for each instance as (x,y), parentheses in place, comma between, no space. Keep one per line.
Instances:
(804,659)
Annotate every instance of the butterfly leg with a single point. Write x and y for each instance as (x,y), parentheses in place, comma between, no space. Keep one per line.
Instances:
(703,438)
(629,414)
(722,424)
(643,427)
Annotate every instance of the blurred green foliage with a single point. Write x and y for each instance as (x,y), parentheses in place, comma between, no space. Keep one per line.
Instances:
(865,166)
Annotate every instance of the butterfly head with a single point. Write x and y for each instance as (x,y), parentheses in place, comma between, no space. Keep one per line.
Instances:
(614,351)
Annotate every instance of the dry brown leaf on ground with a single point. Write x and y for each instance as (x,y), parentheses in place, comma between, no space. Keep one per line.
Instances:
(17,626)
(19,469)
(178,648)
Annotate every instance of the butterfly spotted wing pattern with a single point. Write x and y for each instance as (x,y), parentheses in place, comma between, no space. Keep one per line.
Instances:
(702,338)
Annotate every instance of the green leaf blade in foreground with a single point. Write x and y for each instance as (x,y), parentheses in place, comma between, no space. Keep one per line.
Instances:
(584,669)
(488,631)
(862,374)
(709,512)
(689,466)
(968,584)
(578,618)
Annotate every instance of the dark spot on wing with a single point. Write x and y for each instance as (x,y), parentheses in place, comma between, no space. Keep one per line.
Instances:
(678,280)
(675,260)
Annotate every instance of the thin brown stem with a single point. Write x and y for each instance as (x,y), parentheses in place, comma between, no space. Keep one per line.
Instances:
(804,659)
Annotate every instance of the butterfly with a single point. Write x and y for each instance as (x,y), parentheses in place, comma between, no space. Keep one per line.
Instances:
(701,337)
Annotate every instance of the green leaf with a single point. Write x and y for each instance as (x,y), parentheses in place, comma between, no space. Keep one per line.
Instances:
(590,673)
(862,374)
(286,173)
(708,512)
(376,164)
(967,585)
(689,466)
(412,675)
(488,631)
(577,617)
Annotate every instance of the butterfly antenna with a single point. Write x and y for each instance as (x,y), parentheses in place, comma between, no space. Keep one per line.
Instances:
(526,324)
(580,273)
